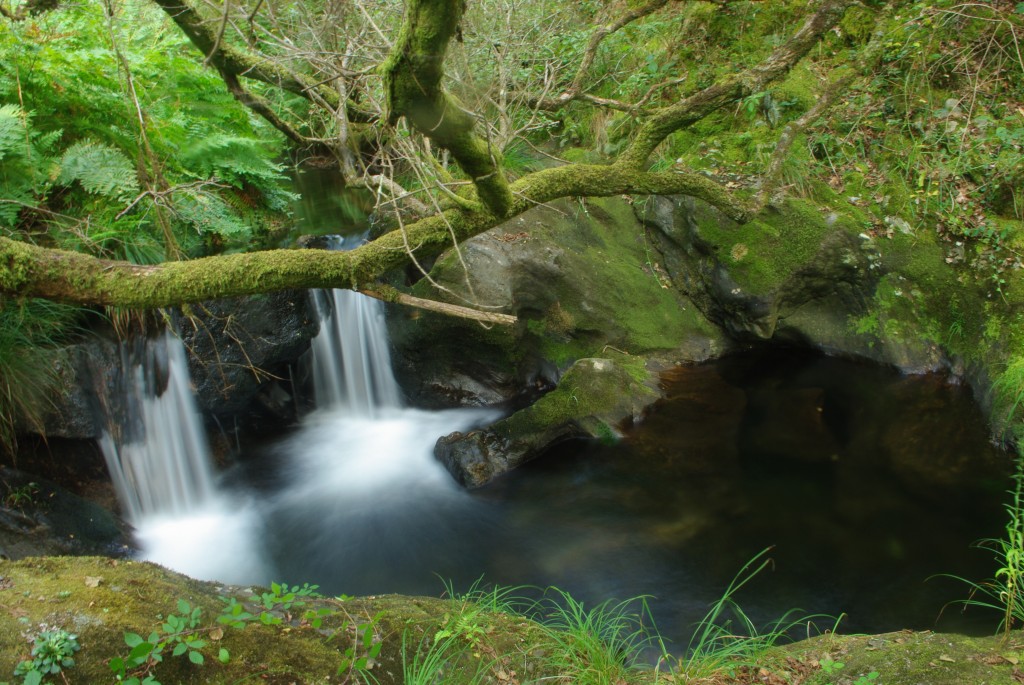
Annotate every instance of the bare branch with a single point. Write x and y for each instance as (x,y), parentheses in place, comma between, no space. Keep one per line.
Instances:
(575,89)
(442,307)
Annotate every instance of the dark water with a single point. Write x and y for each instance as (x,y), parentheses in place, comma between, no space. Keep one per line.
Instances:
(863,482)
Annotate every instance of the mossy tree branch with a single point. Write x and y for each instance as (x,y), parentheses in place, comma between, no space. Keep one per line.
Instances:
(413,73)
(412,80)
(662,123)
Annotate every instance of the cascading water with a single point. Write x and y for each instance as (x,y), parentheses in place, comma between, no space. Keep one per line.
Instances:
(351,362)
(364,499)
(159,461)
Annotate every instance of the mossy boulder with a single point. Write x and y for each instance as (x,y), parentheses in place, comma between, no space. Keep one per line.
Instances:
(581,277)
(591,400)
(100,600)
(800,272)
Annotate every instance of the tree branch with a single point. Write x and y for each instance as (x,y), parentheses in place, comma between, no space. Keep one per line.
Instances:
(229,60)
(575,89)
(660,124)
(412,81)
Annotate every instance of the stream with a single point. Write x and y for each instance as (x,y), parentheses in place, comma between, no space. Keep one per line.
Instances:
(867,485)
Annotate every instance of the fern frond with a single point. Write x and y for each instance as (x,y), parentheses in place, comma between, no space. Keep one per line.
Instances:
(207,213)
(12,130)
(232,159)
(100,169)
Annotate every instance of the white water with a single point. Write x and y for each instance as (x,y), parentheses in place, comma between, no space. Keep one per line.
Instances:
(356,481)
(351,361)
(160,463)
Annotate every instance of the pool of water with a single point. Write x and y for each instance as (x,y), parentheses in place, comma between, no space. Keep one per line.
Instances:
(864,483)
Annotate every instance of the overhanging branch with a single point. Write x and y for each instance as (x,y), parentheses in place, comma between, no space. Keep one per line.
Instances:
(412,79)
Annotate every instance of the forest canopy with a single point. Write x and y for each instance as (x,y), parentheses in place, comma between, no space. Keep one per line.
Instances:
(144,144)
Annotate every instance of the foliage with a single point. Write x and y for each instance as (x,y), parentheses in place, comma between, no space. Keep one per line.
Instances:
(21,496)
(29,329)
(180,633)
(184,635)
(596,645)
(433,663)
(724,643)
(52,652)
(95,162)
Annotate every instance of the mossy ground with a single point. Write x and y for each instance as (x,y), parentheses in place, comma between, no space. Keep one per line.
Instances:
(100,599)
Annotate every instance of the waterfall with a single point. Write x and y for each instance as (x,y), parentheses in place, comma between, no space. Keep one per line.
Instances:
(352,499)
(351,361)
(161,467)
(160,462)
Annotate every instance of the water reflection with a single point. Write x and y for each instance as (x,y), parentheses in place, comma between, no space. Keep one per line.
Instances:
(866,483)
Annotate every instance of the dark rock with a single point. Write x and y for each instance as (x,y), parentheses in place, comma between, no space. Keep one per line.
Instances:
(241,347)
(581,280)
(86,370)
(792,275)
(38,517)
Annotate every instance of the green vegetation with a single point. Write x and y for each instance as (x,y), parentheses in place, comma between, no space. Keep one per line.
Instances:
(1004,592)
(52,652)
(29,379)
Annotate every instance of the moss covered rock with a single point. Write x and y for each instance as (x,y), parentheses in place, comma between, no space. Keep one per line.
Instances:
(591,400)
(581,276)
(102,600)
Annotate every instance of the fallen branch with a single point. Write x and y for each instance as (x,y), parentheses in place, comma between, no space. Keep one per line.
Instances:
(390,295)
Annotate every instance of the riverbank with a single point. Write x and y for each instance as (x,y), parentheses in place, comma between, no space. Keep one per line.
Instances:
(288,636)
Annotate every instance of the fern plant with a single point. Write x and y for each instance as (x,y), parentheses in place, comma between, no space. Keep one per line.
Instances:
(100,169)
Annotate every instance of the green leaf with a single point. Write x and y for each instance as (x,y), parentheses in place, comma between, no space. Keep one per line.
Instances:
(100,169)
(133,639)
(223,656)
(179,649)
(184,607)
(195,657)
(140,652)
(33,677)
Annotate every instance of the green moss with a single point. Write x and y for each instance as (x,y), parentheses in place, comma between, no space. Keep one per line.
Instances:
(764,253)
(101,599)
(594,391)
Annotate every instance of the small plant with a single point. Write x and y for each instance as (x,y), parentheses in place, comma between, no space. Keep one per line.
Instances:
(282,598)
(432,663)
(830,667)
(52,652)
(1003,592)
(361,655)
(597,645)
(868,679)
(21,496)
(179,633)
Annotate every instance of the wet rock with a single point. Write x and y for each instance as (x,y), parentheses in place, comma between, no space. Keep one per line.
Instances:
(592,399)
(582,280)
(38,517)
(795,274)
(85,370)
(240,349)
